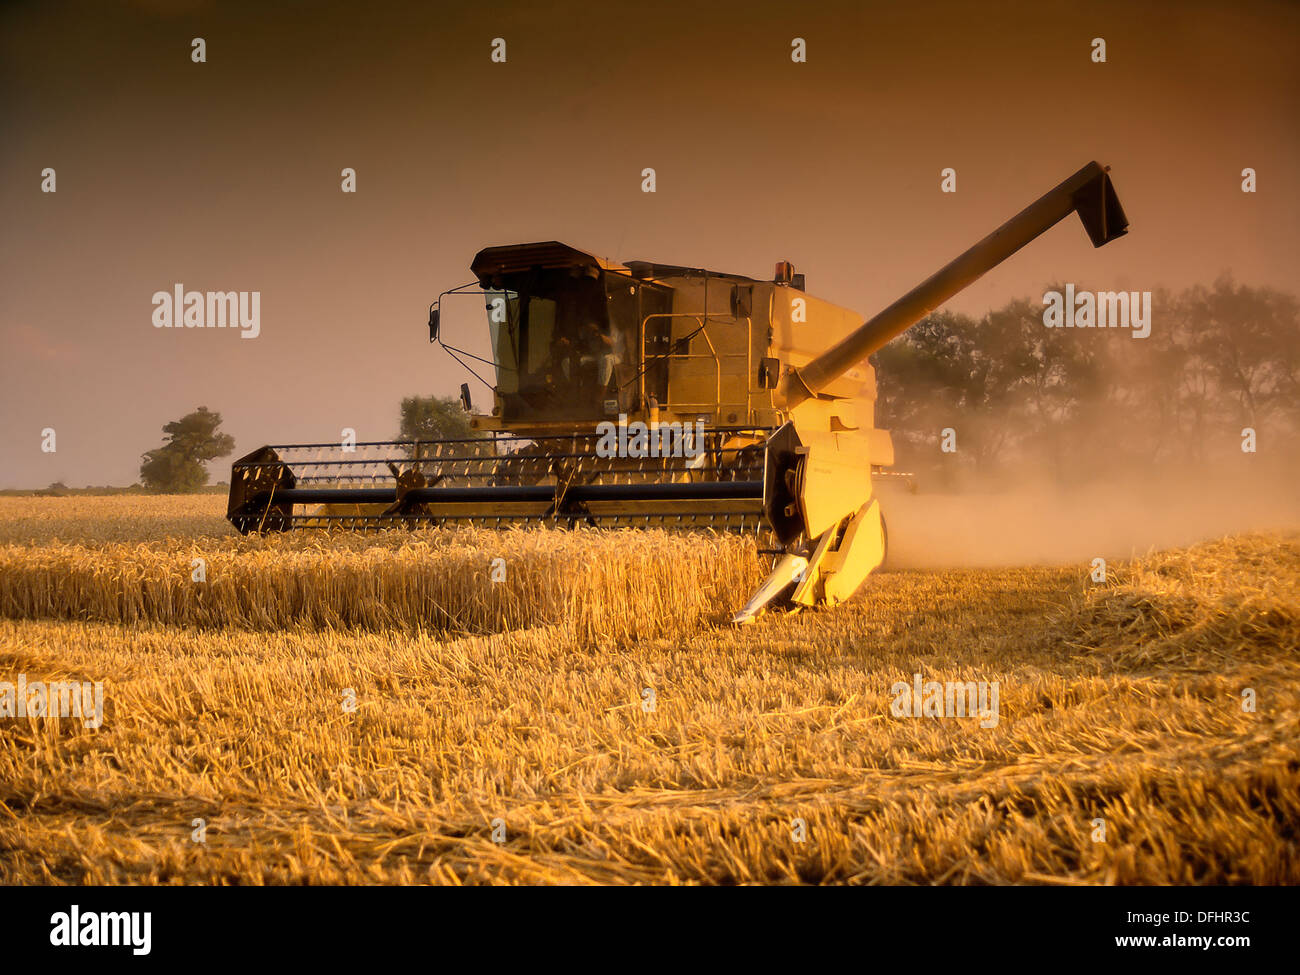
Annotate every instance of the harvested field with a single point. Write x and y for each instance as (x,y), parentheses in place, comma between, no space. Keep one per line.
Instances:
(524,704)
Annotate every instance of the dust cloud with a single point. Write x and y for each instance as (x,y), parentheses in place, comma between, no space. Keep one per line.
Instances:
(1041,523)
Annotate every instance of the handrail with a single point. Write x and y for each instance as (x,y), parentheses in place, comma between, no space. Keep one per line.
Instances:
(717,357)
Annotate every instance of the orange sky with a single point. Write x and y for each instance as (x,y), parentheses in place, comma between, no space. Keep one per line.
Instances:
(225,176)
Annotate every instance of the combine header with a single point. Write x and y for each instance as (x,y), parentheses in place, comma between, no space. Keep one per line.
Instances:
(644,395)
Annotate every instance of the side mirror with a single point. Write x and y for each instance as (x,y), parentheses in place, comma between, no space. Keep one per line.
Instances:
(433,322)
(769,371)
(465,402)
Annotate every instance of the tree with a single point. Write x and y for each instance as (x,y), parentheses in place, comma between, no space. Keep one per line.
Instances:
(1250,343)
(434,418)
(953,370)
(177,466)
(1083,403)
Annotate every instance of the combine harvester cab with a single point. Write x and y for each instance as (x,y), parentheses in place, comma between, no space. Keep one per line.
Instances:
(654,395)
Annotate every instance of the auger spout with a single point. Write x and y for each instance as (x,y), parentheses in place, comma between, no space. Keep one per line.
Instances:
(1088,192)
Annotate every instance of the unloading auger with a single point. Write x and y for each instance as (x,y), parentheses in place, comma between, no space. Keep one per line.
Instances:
(654,395)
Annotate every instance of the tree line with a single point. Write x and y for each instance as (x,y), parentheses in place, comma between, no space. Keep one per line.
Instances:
(1219,361)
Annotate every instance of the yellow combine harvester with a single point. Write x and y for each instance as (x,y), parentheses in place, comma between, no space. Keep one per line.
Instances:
(642,394)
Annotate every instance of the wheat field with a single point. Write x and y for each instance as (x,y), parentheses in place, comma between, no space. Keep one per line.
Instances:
(379,709)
